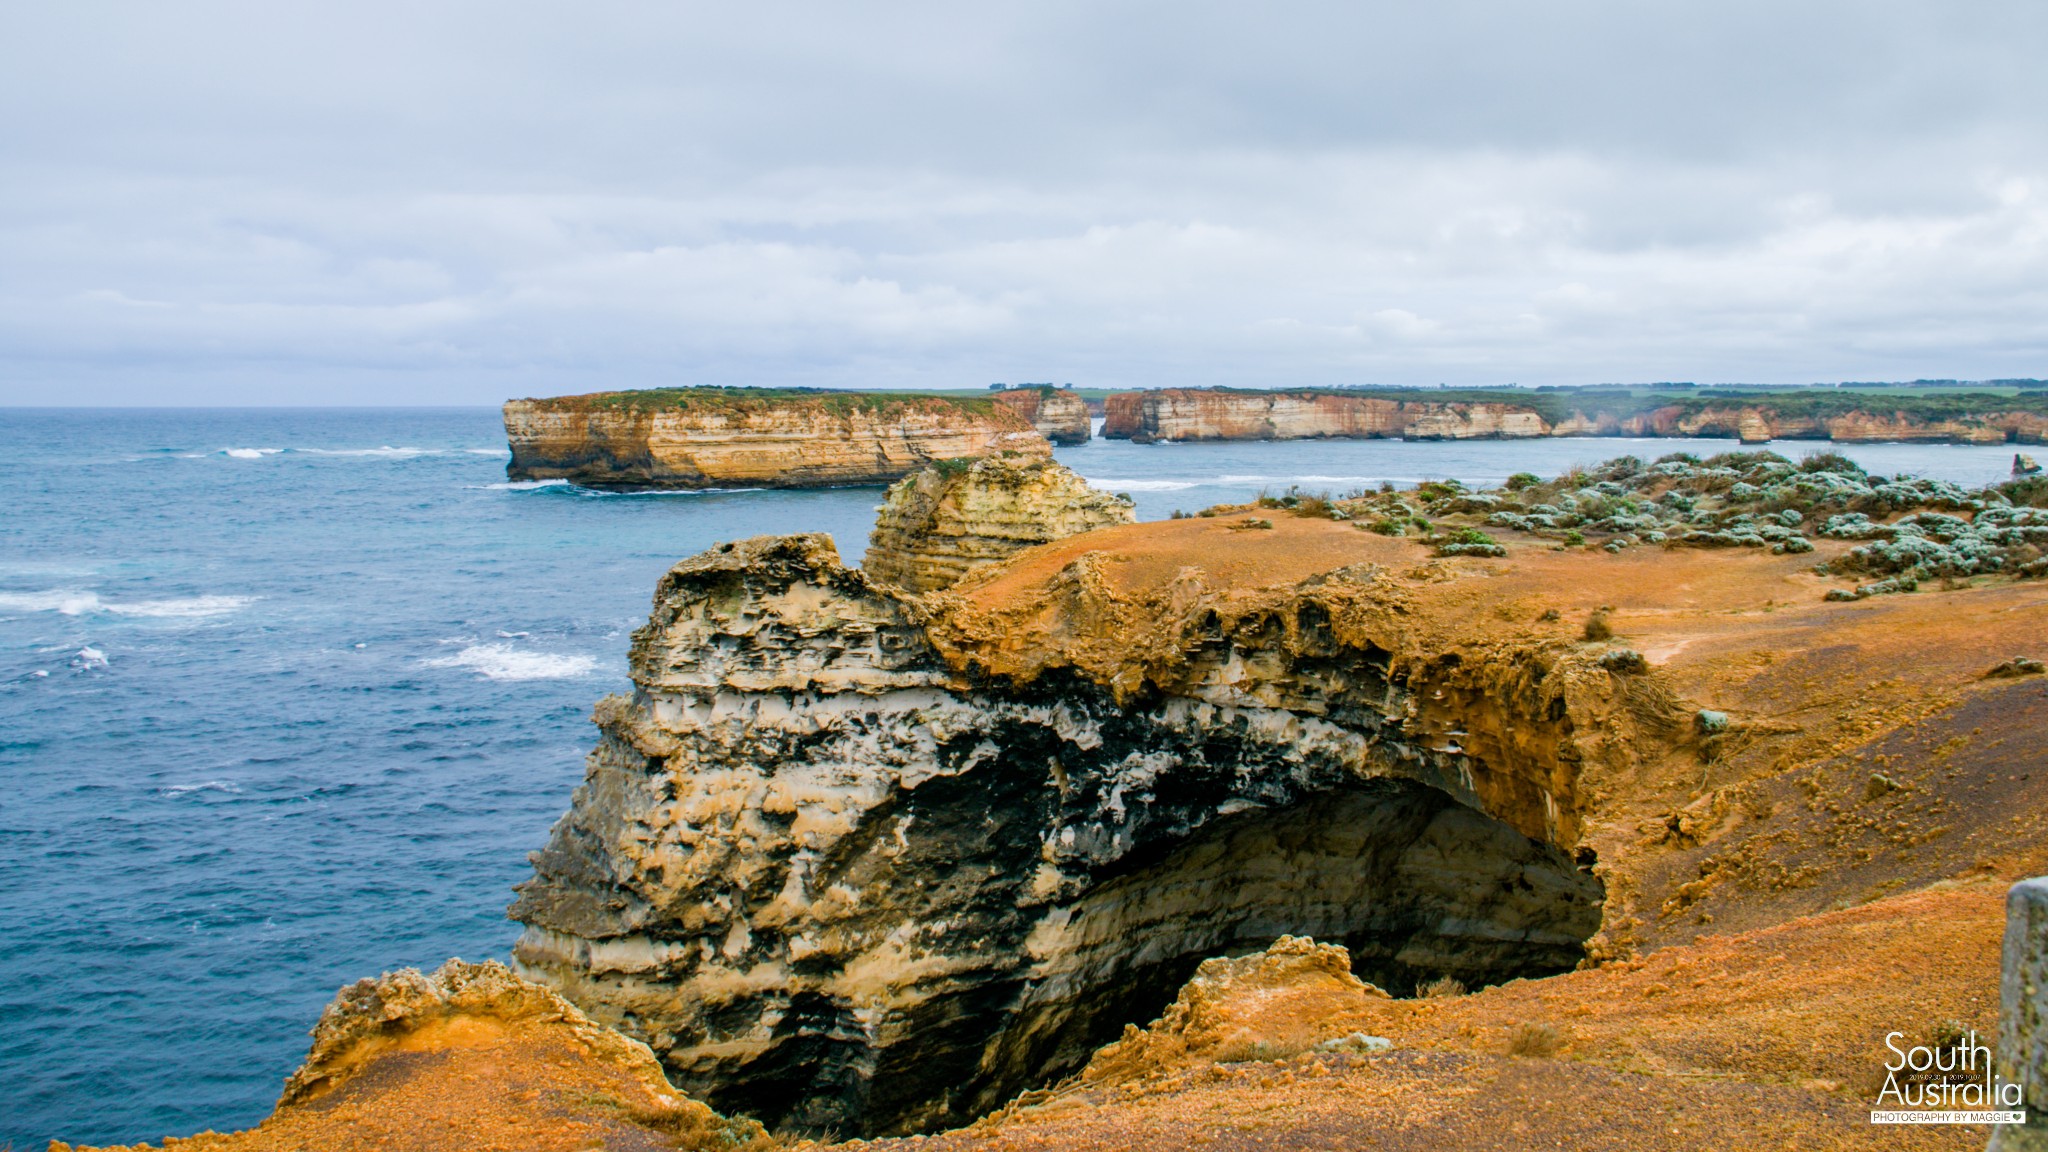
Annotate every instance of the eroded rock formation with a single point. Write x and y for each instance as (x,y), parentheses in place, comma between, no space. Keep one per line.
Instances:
(841,866)
(1200,414)
(1060,415)
(939,524)
(739,437)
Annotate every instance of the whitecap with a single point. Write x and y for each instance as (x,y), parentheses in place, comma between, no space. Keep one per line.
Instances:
(249,453)
(504,662)
(504,635)
(66,601)
(1115,485)
(78,602)
(89,659)
(517,485)
(385,452)
(190,606)
(202,786)
(488,451)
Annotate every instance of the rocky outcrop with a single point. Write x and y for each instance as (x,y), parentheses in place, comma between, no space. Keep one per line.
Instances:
(1220,414)
(843,861)
(1059,415)
(753,438)
(469,1057)
(942,523)
(2023,1015)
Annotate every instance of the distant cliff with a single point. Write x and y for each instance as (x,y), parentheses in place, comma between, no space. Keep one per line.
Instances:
(1061,416)
(1224,414)
(760,438)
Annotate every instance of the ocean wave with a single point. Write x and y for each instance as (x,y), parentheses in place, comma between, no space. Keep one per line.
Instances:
(1111,484)
(248,453)
(89,659)
(504,662)
(73,602)
(572,488)
(386,452)
(487,451)
(517,485)
(202,786)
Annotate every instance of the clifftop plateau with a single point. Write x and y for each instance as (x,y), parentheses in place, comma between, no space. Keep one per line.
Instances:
(1062,416)
(854,858)
(744,437)
(1420,414)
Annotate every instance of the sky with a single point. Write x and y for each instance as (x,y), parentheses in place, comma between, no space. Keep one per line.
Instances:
(455,202)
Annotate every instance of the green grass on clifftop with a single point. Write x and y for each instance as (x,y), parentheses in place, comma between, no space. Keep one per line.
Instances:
(713,398)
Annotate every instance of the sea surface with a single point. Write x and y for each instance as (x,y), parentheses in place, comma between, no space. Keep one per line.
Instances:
(286,696)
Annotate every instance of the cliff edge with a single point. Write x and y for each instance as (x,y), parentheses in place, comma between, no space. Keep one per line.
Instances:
(759,438)
(1060,415)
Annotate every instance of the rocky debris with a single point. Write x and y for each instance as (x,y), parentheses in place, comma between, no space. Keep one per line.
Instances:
(1266,1005)
(1058,414)
(469,1057)
(2024,465)
(838,870)
(943,522)
(753,437)
(2016,667)
(2023,1015)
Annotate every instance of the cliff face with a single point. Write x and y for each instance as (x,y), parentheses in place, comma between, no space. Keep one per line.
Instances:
(849,857)
(842,864)
(1061,417)
(705,438)
(939,524)
(1187,414)
(1179,414)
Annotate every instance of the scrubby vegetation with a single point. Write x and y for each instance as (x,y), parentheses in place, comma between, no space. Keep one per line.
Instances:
(1909,529)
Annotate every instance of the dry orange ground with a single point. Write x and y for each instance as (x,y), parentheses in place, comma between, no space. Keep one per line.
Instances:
(1830,870)
(1767,1039)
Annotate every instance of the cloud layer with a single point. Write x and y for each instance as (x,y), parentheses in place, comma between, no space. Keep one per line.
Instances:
(374,202)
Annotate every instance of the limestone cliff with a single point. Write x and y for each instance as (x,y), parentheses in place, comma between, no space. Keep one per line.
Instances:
(842,865)
(940,523)
(1190,414)
(851,857)
(1061,416)
(1221,414)
(741,437)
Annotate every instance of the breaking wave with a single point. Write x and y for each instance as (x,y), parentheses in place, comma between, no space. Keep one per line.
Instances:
(504,662)
(71,602)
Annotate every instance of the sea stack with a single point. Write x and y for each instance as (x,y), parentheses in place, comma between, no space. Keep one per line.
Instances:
(943,522)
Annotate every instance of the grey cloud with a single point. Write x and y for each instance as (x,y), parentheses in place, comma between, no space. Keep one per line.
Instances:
(242,201)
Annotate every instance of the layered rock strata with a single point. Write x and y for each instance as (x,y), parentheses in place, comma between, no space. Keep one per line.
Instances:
(1195,414)
(941,523)
(840,871)
(711,438)
(1060,416)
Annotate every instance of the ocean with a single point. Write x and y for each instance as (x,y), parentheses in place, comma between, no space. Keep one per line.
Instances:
(287,695)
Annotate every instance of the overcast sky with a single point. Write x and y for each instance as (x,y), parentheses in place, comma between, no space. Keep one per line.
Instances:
(440,201)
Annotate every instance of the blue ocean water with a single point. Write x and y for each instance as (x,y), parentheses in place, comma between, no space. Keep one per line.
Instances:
(286,696)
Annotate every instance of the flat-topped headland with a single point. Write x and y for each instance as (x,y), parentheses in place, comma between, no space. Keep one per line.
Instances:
(1058,413)
(755,437)
(1845,415)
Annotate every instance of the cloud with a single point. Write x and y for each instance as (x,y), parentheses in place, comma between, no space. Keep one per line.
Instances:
(252,202)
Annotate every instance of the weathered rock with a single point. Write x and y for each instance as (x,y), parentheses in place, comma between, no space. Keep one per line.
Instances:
(1059,415)
(942,523)
(1201,414)
(2023,1014)
(726,437)
(2024,465)
(838,871)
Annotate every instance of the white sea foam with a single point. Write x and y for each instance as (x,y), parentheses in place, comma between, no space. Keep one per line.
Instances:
(504,662)
(74,602)
(488,451)
(504,635)
(89,659)
(386,452)
(1111,484)
(518,485)
(202,786)
(249,453)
